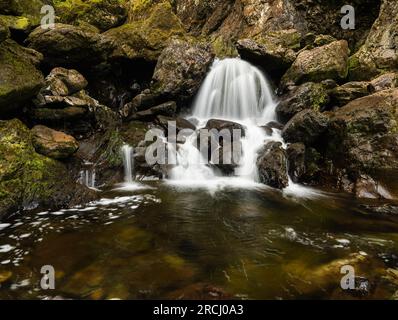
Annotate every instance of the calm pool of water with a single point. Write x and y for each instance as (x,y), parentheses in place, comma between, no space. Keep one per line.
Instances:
(170,242)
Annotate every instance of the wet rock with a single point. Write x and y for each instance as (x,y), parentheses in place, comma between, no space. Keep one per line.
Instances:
(310,95)
(174,124)
(367,188)
(220,125)
(20,78)
(307,127)
(275,51)
(103,14)
(29,180)
(379,53)
(342,95)
(67,45)
(275,125)
(63,82)
(53,144)
(326,62)
(144,38)
(181,68)
(296,161)
(272,165)
(141,102)
(362,135)
(168,109)
(385,82)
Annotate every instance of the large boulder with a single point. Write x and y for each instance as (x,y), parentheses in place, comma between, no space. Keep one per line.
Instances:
(321,63)
(29,9)
(272,165)
(307,127)
(385,81)
(20,79)
(29,180)
(144,38)
(52,143)
(306,96)
(379,53)
(67,45)
(349,91)
(274,52)
(103,14)
(181,68)
(363,134)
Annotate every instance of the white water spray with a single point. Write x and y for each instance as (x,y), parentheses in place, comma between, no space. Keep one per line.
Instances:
(236,91)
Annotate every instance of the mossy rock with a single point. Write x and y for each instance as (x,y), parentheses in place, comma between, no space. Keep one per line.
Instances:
(20,79)
(16,23)
(144,39)
(103,14)
(327,62)
(30,9)
(4,31)
(29,180)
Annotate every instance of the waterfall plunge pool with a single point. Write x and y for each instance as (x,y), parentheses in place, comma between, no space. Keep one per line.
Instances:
(163,242)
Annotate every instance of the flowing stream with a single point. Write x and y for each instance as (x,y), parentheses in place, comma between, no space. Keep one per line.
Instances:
(242,240)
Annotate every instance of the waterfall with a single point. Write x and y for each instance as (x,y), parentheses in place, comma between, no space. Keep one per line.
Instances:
(235,91)
(128,162)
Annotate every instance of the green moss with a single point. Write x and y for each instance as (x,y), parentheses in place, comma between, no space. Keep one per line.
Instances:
(25,176)
(224,48)
(16,23)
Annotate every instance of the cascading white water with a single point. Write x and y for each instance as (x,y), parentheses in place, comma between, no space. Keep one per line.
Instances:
(128,162)
(236,91)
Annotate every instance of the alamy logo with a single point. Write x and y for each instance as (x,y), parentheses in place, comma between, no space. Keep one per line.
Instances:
(348,21)
(48,19)
(348,281)
(48,279)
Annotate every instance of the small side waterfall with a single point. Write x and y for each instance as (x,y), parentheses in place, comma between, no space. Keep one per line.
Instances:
(128,162)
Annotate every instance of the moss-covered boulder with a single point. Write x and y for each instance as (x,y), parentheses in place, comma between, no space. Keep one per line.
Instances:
(29,180)
(16,23)
(29,9)
(275,51)
(181,69)
(144,39)
(52,143)
(103,14)
(4,31)
(380,51)
(321,63)
(67,45)
(306,96)
(20,79)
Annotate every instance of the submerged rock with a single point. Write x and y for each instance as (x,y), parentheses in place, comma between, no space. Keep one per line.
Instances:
(181,68)
(20,79)
(326,62)
(272,165)
(306,96)
(53,144)
(29,180)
